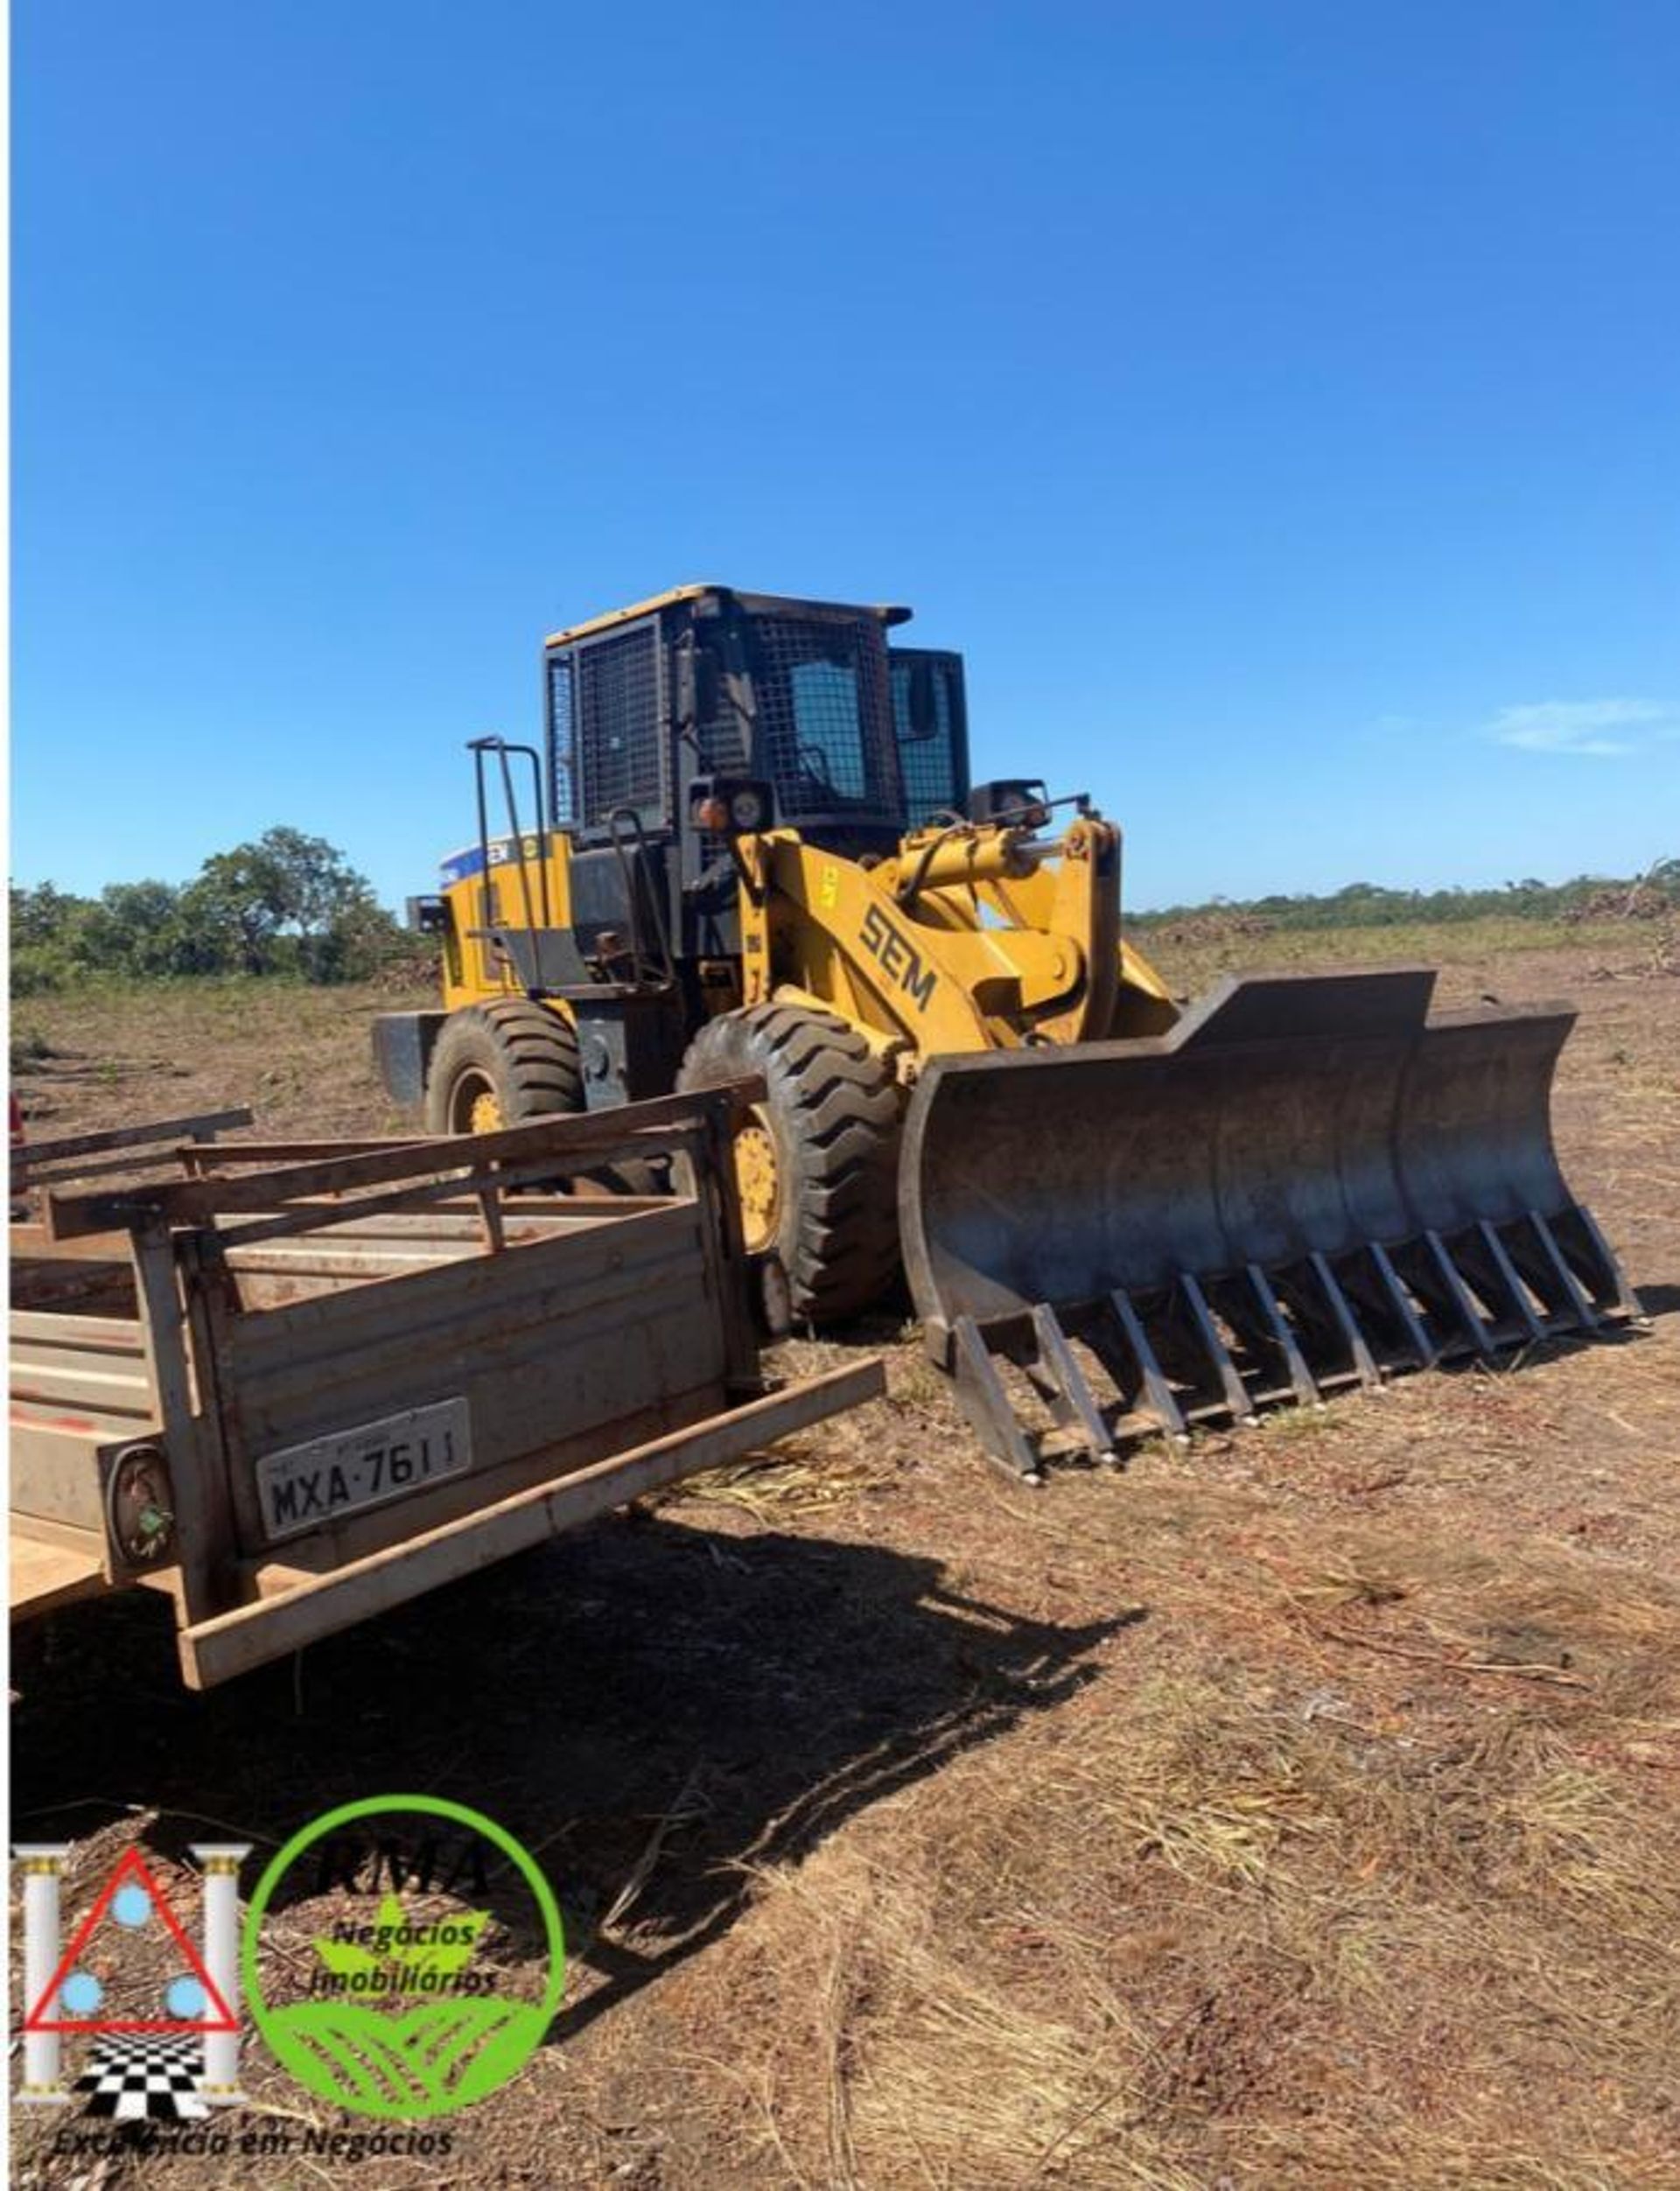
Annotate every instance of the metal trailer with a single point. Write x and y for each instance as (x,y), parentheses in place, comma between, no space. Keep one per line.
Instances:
(291,1384)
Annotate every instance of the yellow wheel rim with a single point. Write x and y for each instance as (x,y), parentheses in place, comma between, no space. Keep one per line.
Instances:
(756,1184)
(484,1115)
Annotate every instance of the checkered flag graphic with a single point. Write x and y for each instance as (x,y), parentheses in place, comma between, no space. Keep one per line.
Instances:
(145,2076)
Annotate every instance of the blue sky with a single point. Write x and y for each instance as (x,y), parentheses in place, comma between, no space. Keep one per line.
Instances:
(1278,401)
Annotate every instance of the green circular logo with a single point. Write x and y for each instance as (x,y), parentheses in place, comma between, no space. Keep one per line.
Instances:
(399,2006)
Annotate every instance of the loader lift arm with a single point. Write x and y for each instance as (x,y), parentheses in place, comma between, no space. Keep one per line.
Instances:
(907,946)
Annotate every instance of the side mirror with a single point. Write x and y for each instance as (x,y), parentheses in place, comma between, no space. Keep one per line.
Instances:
(1016,802)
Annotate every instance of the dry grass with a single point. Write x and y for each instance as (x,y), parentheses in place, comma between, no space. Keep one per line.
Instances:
(1300,1810)
(1259,1906)
(300,1057)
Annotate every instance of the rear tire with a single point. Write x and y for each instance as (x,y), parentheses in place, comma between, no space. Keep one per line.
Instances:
(499,1065)
(831,1118)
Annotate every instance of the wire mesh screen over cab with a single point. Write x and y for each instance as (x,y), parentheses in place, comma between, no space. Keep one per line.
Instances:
(857,743)
(825,719)
(607,728)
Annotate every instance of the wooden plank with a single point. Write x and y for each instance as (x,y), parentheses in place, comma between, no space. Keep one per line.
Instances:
(572,1139)
(216,1156)
(601,1360)
(263,1289)
(104,1383)
(144,1167)
(43,1575)
(53,1471)
(120,1334)
(88,1366)
(31,1243)
(324,1213)
(32,1154)
(45,1529)
(442,1300)
(456,1219)
(359,1253)
(89,1425)
(213,1650)
(99,1282)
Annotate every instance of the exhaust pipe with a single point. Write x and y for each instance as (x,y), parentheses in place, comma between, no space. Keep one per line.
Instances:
(1307,1183)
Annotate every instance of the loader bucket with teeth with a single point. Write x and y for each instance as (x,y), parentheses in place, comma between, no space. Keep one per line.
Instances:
(1308,1184)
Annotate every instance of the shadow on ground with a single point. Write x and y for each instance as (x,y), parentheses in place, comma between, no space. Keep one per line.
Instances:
(644,1686)
(1659,1300)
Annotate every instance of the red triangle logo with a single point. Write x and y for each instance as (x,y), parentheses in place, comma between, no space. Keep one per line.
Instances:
(130,1866)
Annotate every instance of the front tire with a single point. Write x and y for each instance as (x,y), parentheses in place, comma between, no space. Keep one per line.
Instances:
(499,1065)
(816,1162)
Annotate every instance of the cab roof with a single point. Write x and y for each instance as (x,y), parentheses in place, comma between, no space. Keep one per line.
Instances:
(755,605)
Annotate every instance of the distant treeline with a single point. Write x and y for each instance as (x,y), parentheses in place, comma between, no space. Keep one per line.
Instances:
(285,903)
(288,904)
(1370,906)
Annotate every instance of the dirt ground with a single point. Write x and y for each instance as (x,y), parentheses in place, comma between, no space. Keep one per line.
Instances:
(1299,1808)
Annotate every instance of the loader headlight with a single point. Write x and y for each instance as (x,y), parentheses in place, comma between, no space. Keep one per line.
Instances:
(731,806)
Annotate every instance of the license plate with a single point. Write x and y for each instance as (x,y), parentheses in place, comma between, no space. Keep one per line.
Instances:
(306,1486)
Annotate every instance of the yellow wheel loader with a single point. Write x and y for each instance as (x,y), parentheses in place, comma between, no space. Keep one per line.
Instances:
(748,846)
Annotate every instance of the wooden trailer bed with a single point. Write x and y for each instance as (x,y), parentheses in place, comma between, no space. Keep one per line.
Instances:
(292,1383)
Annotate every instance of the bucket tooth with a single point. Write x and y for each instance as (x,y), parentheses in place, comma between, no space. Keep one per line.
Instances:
(1230,1383)
(1300,1377)
(1341,1313)
(1382,1320)
(981,1396)
(1515,1293)
(1568,1296)
(1458,1295)
(1078,1409)
(1157,1394)
(1613,1289)
(1424,1351)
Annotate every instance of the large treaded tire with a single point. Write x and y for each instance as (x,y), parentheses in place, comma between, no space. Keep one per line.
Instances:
(524,1056)
(832,1111)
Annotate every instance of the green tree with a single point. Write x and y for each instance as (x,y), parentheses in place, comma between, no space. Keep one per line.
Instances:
(287,901)
(135,929)
(46,924)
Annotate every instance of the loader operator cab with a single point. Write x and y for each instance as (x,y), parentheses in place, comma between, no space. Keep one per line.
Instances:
(605,880)
(855,742)
(799,711)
